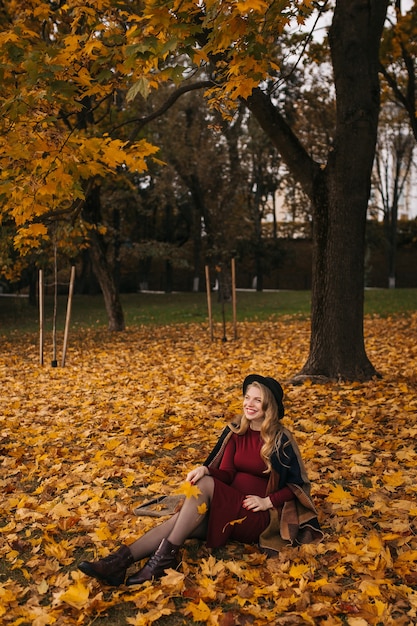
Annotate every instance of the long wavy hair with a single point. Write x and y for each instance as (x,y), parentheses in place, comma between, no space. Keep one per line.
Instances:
(271,425)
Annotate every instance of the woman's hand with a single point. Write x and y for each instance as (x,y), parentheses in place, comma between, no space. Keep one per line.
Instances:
(194,476)
(256,503)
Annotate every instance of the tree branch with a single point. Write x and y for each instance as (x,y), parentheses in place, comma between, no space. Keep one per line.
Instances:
(298,161)
(140,122)
(406,101)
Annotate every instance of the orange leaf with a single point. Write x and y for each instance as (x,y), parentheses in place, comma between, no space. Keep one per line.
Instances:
(233,522)
(189,490)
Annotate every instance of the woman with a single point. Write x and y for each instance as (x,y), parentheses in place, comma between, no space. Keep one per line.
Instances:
(253,488)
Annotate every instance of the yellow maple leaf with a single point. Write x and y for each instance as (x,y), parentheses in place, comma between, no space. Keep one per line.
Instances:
(339,496)
(149,617)
(381,607)
(370,588)
(189,490)
(211,566)
(169,446)
(56,550)
(200,612)
(391,481)
(172,578)
(43,587)
(202,509)
(102,533)
(409,555)
(60,510)
(76,595)
(112,444)
(297,571)
(129,480)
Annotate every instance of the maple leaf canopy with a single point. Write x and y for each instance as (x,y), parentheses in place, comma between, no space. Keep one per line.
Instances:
(71,75)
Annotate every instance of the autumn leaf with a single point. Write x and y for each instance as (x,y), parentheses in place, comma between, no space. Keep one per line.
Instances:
(148,617)
(233,522)
(188,490)
(173,578)
(297,571)
(200,612)
(76,595)
(339,496)
(212,566)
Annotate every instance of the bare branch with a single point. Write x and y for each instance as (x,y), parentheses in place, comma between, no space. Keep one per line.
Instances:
(140,122)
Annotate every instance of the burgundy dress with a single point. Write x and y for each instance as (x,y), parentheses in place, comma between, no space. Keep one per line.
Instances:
(241,473)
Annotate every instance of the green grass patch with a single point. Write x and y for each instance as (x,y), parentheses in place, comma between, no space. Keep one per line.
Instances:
(16,314)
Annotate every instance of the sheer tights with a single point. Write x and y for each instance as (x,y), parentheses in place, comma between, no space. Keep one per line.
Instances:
(188,523)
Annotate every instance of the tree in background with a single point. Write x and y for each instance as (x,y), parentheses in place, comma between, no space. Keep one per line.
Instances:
(224,175)
(398,59)
(393,162)
(395,149)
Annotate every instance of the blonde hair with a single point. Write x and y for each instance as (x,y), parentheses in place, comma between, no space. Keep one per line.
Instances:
(271,425)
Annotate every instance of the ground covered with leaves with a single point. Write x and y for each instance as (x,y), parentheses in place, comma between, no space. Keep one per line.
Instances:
(130,414)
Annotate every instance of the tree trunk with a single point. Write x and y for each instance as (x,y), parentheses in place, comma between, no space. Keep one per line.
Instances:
(337,347)
(100,264)
(107,284)
(339,192)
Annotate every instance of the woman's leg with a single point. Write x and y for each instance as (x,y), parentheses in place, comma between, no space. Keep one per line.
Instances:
(187,524)
(193,513)
(148,543)
(112,569)
(190,522)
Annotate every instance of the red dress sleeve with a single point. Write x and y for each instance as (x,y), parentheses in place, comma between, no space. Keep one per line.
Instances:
(226,470)
(278,498)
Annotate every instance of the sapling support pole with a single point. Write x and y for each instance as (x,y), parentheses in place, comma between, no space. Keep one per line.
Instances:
(234,298)
(54,361)
(220,270)
(208,289)
(224,319)
(68,316)
(41,316)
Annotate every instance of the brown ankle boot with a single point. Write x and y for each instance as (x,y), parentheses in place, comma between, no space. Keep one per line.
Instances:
(161,560)
(111,569)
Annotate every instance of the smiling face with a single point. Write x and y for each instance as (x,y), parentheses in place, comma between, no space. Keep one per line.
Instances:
(253,406)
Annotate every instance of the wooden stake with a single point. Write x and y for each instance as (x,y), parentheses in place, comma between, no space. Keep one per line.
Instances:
(68,317)
(54,361)
(209,301)
(224,320)
(41,316)
(234,298)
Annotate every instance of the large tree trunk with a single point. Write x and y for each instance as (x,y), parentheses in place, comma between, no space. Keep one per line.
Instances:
(337,347)
(339,192)
(100,264)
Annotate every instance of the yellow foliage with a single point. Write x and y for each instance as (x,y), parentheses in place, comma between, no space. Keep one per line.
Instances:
(189,490)
(338,495)
(200,612)
(56,59)
(297,571)
(76,595)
